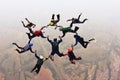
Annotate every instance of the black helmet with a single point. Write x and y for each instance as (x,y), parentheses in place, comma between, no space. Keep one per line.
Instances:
(55,39)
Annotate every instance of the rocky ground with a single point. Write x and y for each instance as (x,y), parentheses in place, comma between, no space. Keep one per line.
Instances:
(100,61)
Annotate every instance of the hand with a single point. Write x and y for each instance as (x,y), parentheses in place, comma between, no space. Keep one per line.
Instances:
(47,36)
(72,45)
(35,51)
(60,37)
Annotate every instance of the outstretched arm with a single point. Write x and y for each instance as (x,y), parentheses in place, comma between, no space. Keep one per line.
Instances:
(49,39)
(34,25)
(72,46)
(76,42)
(69,20)
(30,22)
(23,23)
(79,15)
(27,20)
(32,50)
(43,27)
(36,54)
(60,39)
(44,59)
(66,54)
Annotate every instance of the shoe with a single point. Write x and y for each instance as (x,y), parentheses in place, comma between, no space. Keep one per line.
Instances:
(58,16)
(92,39)
(13,43)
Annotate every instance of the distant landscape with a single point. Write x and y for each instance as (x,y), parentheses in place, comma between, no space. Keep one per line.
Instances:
(100,61)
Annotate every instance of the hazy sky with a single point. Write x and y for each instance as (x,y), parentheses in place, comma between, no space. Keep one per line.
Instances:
(101,10)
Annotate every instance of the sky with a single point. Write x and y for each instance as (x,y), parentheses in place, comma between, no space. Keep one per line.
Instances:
(12,10)
(103,15)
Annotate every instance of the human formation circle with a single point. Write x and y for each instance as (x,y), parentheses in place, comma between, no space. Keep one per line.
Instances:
(54,43)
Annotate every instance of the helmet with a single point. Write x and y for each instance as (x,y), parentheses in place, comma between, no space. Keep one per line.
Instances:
(55,39)
(41,57)
(30,44)
(70,50)
(37,32)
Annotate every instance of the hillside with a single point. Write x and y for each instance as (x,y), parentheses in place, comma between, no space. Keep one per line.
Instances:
(100,61)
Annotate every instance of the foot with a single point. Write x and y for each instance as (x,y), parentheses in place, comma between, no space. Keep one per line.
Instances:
(14,43)
(92,39)
(27,33)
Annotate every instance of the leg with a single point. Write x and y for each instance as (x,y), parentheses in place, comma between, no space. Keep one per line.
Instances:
(71,24)
(30,37)
(42,35)
(58,18)
(19,51)
(27,20)
(63,34)
(86,44)
(83,20)
(34,68)
(79,58)
(17,45)
(38,69)
(53,17)
(91,39)
(23,24)
(51,56)
(79,16)
(60,54)
(31,31)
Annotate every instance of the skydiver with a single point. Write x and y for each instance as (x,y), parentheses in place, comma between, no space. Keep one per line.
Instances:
(35,33)
(81,40)
(40,61)
(25,48)
(71,55)
(29,25)
(68,29)
(54,22)
(76,20)
(55,47)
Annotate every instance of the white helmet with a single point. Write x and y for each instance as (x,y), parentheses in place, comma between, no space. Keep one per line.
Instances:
(41,57)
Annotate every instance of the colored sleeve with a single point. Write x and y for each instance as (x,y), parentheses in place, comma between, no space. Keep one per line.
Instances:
(44,59)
